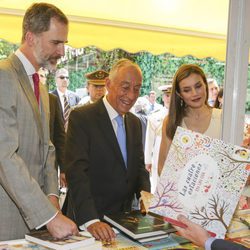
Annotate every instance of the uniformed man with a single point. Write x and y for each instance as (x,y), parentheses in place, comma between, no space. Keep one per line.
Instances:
(153,136)
(96,85)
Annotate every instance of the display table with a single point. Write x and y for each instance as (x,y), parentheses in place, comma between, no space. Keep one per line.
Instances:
(122,242)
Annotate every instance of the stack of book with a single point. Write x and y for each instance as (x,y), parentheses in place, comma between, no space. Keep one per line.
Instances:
(146,230)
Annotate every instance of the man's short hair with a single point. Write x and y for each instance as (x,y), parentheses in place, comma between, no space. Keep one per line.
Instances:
(37,18)
(120,64)
(61,71)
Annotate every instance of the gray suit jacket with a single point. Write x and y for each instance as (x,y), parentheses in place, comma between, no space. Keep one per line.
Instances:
(27,170)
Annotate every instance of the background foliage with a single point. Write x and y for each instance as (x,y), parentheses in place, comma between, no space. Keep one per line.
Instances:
(157,69)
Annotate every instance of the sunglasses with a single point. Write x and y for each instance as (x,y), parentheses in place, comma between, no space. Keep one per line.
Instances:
(63,77)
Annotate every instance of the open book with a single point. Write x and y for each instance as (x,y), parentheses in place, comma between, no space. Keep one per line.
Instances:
(202,179)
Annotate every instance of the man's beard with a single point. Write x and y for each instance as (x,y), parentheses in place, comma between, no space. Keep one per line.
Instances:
(49,63)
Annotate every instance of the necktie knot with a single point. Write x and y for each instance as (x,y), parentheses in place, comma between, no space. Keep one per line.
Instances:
(35,78)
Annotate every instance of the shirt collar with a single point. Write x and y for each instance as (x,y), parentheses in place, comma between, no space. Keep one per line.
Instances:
(61,94)
(29,68)
(111,111)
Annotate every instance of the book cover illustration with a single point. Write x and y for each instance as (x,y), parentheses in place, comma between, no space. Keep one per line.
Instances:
(44,238)
(123,243)
(170,241)
(137,225)
(202,179)
(22,246)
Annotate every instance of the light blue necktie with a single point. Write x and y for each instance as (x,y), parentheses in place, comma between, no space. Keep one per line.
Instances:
(121,137)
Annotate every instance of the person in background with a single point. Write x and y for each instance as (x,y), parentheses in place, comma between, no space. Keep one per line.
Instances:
(43,73)
(28,179)
(200,237)
(68,99)
(213,90)
(219,100)
(189,109)
(139,109)
(96,85)
(56,126)
(152,103)
(153,136)
(104,156)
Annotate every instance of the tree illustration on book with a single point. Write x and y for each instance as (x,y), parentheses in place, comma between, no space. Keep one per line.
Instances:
(202,179)
(234,163)
(163,197)
(214,212)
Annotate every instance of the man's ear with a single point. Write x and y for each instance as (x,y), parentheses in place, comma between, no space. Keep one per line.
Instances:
(107,83)
(29,38)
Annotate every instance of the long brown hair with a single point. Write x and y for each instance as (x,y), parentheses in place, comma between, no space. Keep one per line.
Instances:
(177,106)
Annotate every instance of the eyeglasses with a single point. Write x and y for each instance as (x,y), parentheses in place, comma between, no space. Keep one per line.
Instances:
(63,77)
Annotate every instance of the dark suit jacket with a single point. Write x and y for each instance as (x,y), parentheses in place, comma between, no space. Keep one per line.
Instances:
(98,180)
(72,98)
(57,132)
(219,244)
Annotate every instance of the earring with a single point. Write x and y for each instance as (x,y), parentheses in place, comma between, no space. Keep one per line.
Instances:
(181,102)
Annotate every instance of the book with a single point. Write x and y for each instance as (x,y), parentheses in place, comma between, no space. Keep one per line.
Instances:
(240,224)
(245,240)
(44,238)
(123,243)
(20,245)
(172,240)
(202,178)
(146,199)
(137,226)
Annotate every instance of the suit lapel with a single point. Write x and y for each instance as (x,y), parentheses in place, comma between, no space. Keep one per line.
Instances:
(106,126)
(25,84)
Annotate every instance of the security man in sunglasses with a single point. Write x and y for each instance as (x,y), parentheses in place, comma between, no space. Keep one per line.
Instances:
(68,99)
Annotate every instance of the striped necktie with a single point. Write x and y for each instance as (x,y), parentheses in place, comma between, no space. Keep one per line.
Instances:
(66,111)
(121,137)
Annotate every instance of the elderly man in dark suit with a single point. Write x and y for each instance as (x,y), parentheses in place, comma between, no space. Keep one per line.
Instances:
(104,173)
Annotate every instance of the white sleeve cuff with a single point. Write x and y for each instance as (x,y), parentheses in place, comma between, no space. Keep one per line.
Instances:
(84,226)
(209,242)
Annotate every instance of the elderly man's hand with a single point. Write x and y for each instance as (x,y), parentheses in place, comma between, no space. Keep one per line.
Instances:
(102,231)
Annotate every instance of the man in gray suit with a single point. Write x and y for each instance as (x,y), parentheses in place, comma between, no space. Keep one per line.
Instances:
(28,180)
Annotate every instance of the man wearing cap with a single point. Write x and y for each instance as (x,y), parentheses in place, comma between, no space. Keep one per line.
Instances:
(153,136)
(96,85)
(67,98)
